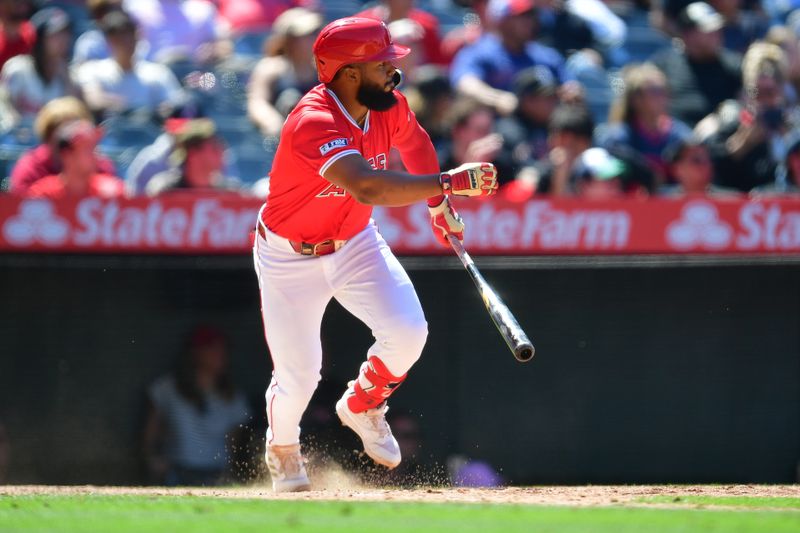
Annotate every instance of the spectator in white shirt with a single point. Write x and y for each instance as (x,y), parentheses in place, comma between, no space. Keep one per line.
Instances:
(193,415)
(123,83)
(27,82)
(92,43)
(177,29)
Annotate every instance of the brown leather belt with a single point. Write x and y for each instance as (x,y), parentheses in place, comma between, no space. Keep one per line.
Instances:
(308,248)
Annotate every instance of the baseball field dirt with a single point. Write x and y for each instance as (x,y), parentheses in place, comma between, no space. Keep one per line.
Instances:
(581,496)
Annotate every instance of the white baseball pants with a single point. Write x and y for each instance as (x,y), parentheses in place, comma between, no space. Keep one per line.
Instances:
(367,279)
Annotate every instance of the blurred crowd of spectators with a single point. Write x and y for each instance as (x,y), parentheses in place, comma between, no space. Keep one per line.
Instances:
(587,98)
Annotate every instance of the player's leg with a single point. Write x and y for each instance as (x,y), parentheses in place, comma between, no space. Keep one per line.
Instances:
(294,295)
(374,287)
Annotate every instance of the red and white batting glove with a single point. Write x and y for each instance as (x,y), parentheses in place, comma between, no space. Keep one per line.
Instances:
(445,221)
(470,179)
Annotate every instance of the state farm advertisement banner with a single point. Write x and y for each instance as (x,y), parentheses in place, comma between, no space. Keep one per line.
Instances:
(223,225)
(179,223)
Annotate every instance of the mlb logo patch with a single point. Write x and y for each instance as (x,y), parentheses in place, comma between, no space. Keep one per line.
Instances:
(336,143)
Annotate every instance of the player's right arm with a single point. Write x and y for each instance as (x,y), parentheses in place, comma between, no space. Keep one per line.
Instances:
(380,187)
(393,188)
(319,142)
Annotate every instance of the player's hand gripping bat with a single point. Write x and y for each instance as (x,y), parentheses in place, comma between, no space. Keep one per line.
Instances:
(509,328)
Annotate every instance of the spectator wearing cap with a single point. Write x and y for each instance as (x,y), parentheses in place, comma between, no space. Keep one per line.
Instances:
(177,30)
(44,159)
(76,142)
(390,11)
(701,73)
(747,137)
(92,44)
(525,132)
(17,34)
(692,170)
(27,82)
(571,131)
(124,83)
(287,72)
(743,21)
(598,175)
(430,98)
(486,69)
(197,161)
(193,414)
(639,119)
(572,26)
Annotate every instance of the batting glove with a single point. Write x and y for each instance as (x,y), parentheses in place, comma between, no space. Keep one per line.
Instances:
(470,179)
(445,221)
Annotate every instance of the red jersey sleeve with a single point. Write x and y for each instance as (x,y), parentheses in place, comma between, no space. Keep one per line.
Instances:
(319,140)
(413,142)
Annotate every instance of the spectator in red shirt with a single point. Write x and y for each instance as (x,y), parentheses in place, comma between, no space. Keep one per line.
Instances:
(44,159)
(79,177)
(242,16)
(391,10)
(17,35)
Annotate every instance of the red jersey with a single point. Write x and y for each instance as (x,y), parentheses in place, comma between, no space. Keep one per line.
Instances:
(39,162)
(304,206)
(101,185)
(21,44)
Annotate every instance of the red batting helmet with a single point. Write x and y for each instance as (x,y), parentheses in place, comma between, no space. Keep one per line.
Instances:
(353,40)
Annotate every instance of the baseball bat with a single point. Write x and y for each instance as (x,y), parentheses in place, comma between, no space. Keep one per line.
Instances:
(507,325)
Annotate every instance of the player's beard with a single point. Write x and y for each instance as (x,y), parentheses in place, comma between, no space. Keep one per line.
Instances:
(375,97)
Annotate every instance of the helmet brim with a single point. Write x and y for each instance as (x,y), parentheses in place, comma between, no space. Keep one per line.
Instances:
(393,51)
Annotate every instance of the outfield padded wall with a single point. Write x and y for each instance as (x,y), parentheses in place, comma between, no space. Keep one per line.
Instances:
(654,374)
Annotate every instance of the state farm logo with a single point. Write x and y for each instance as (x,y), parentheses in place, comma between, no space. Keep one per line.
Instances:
(206,223)
(699,227)
(36,222)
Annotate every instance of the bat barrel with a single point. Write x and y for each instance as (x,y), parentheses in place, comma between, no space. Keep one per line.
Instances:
(519,343)
(524,353)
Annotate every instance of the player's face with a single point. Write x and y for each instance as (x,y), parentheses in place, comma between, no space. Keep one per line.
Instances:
(375,91)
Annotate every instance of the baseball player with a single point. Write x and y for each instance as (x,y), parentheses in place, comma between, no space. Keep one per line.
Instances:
(315,239)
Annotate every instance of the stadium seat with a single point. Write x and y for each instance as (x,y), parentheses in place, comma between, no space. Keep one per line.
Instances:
(249,44)
(642,42)
(341,8)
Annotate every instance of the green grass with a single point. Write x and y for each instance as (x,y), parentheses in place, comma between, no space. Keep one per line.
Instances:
(199,514)
(774,502)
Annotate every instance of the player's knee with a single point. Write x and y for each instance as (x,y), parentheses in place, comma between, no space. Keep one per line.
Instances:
(298,386)
(411,334)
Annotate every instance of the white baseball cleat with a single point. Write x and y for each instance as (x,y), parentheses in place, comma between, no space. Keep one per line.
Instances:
(287,468)
(374,431)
